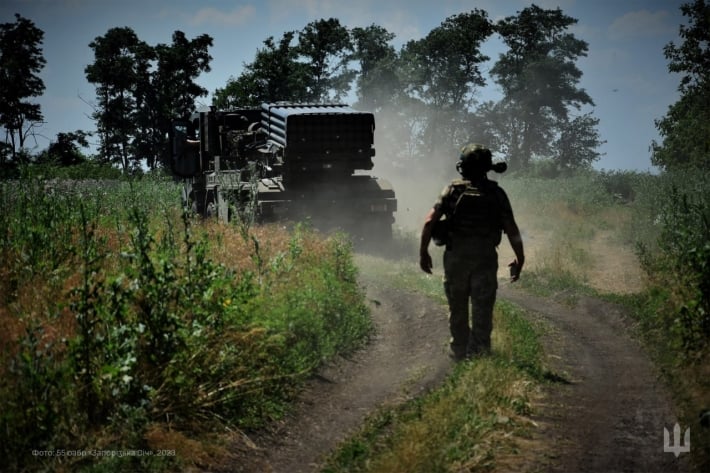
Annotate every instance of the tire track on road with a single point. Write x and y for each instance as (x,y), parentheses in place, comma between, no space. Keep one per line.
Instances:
(610,417)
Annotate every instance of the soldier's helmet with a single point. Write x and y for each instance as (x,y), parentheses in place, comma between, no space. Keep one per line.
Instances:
(476,159)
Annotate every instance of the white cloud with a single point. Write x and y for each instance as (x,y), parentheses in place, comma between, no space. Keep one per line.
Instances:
(641,24)
(212,16)
(403,25)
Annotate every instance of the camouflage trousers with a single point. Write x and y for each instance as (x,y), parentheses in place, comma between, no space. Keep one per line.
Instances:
(470,278)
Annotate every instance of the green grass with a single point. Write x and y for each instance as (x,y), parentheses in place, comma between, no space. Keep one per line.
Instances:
(130,325)
(469,424)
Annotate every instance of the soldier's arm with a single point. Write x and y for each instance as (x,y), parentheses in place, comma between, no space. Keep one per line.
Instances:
(424,257)
(510,227)
(516,242)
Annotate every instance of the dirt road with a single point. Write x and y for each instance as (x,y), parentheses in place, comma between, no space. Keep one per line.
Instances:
(407,355)
(609,414)
(608,418)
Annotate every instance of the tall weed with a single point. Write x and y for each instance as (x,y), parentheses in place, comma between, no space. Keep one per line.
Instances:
(672,215)
(122,312)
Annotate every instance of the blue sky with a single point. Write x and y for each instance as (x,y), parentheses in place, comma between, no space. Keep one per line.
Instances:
(625,72)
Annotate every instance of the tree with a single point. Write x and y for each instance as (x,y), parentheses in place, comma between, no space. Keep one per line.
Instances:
(274,75)
(325,44)
(491,124)
(577,144)
(66,150)
(120,72)
(442,70)
(140,90)
(380,89)
(692,58)
(21,60)
(313,70)
(377,82)
(172,92)
(685,129)
(539,78)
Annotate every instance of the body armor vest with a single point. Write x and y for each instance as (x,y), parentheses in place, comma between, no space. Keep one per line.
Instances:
(476,212)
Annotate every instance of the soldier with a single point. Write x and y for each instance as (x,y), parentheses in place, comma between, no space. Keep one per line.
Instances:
(476,211)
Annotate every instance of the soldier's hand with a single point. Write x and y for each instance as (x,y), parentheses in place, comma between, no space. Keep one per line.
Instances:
(514,270)
(425,262)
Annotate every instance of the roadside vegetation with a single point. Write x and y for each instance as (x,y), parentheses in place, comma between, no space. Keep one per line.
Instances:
(127,325)
(665,219)
(673,224)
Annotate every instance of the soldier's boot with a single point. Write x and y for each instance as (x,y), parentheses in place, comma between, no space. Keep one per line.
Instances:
(459,351)
(479,349)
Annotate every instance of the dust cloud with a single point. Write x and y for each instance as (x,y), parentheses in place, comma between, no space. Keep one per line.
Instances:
(600,259)
(417,182)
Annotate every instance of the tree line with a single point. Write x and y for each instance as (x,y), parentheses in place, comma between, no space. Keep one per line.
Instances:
(425,93)
(427,90)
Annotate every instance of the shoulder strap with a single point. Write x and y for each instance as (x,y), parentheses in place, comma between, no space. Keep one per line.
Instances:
(456,188)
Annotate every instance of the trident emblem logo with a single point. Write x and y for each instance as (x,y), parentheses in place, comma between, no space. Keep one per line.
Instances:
(677,448)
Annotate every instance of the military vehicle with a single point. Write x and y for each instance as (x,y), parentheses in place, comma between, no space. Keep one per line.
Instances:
(285,161)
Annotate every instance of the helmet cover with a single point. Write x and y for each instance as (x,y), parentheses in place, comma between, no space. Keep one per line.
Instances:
(474,159)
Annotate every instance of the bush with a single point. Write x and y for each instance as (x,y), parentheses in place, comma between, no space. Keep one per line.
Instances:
(675,252)
(623,185)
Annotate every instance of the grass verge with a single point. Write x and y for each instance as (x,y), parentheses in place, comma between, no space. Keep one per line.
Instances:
(473,421)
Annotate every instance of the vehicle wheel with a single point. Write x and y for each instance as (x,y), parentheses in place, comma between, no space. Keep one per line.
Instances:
(211,210)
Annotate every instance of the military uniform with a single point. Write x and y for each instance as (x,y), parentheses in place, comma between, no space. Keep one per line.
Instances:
(475,212)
